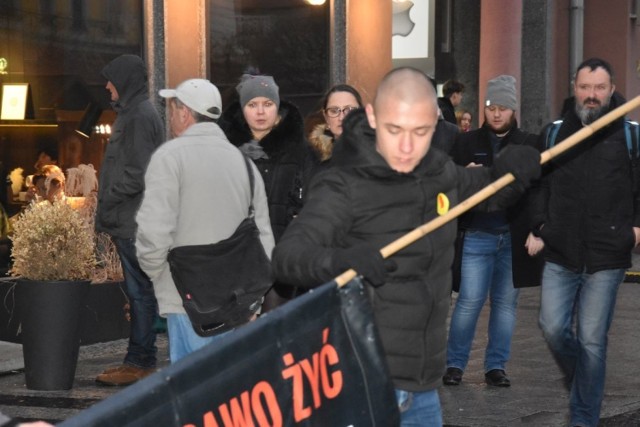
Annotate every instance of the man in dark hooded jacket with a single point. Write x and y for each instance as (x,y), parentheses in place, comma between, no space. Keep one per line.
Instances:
(384,182)
(136,133)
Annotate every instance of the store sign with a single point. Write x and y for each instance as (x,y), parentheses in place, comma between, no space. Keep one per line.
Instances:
(316,361)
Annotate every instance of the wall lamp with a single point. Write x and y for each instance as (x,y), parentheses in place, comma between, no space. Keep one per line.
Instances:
(89,119)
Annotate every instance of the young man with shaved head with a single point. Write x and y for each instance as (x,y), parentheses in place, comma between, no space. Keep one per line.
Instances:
(385,182)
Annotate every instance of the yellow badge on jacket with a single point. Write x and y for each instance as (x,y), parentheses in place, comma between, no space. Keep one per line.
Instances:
(443,204)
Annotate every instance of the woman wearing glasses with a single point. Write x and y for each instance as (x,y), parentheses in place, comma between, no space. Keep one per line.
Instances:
(336,104)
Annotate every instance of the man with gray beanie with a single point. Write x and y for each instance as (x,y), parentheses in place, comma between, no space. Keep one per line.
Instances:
(492,257)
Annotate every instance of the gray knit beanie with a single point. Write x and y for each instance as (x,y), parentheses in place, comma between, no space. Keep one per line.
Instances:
(253,86)
(502,91)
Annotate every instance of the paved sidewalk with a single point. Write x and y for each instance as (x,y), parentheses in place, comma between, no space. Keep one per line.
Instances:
(54,406)
(11,357)
(536,397)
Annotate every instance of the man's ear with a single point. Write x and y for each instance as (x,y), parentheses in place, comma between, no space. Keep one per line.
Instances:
(184,114)
(371,116)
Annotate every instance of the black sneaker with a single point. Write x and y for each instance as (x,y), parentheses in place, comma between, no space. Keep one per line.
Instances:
(497,378)
(452,377)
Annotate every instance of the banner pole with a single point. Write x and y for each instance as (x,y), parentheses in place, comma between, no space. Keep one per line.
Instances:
(496,186)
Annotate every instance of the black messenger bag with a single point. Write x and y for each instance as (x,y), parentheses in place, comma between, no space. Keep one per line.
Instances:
(222,285)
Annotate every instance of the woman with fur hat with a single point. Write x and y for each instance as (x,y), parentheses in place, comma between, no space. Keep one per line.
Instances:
(271,132)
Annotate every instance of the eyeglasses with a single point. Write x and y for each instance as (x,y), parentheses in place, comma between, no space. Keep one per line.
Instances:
(335,111)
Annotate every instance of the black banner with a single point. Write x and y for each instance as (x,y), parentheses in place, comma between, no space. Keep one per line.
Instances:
(316,361)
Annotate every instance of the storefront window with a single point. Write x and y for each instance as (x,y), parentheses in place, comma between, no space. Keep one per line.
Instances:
(58,48)
(287,39)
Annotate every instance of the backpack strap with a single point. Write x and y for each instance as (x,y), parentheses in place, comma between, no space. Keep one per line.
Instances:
(632,135)
(552,133)
(251,183)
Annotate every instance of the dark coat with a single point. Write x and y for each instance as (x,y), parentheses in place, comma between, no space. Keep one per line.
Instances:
(448,112)
(360,199)
(445,135)
(136,133)
(283,172)
(475,146)
(589,201)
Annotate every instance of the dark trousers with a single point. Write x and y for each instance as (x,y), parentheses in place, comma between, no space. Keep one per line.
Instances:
(142,350)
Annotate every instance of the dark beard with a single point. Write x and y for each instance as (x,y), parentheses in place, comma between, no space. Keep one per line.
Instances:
(590,115)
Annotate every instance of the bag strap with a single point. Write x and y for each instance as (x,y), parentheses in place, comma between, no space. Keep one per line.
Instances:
(632,134)
(552,133)
(251,183)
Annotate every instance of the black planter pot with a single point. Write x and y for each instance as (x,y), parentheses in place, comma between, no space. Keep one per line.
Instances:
(50,320)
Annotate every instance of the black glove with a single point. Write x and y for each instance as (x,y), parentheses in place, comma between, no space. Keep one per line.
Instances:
(520,160)
(366,260)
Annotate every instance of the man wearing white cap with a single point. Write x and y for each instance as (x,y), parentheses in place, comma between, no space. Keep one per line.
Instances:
(196,192)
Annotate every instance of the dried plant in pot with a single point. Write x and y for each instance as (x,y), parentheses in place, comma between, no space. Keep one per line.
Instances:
(54,258)
(51,241)
(108,267)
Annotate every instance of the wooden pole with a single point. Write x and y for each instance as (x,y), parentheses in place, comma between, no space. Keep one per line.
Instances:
(495,186)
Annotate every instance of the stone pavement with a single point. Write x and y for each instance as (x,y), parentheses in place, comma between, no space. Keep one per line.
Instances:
(536,397)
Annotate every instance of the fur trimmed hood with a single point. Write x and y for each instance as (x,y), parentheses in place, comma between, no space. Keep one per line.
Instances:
(285,137)
(321,142)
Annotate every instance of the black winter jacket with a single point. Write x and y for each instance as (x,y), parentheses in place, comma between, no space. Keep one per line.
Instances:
(360,199)
(590,202)
(445,135)
(475,146)
(283,172)
(136,133)
(448,112)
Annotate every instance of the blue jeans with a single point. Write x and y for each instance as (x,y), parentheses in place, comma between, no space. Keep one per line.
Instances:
(419,409)
(486,272)
(142,348)
(588,300)
(183,340)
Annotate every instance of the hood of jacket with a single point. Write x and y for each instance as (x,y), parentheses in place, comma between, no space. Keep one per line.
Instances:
(284,137)
(356,148)
(129,76)
(321,142)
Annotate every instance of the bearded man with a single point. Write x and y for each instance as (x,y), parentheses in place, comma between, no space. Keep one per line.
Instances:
(493,261)
(589,223)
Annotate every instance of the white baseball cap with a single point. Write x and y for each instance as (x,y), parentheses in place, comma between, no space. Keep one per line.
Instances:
(198,94)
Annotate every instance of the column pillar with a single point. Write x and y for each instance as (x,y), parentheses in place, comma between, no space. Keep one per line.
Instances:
(500,44)
(368,44)
(185,40)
